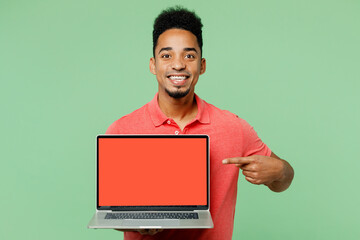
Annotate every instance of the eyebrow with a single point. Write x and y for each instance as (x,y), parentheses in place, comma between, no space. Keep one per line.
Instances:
(170,48)
(165,49)
(190,49)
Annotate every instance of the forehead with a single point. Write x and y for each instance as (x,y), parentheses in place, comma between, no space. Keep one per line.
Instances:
(177,38)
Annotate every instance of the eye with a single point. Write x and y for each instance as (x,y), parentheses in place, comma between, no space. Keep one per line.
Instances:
(189,56)
(165,56)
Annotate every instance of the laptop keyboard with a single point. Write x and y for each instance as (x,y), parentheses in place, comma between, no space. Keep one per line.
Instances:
(151,216)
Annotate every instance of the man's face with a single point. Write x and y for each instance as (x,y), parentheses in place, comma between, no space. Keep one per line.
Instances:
(177,63)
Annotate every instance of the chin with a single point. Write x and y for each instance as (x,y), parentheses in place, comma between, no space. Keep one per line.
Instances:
(177,94)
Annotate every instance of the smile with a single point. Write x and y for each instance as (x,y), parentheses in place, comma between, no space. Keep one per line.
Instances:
(178,80)
(178,77)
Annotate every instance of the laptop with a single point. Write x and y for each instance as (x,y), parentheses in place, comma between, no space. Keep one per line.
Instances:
(152,182)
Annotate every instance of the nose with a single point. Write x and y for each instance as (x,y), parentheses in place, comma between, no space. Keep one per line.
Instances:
(178,64)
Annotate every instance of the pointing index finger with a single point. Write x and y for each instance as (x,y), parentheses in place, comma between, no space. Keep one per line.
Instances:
(238,160)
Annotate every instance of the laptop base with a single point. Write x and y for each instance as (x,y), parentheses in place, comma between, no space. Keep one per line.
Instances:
(99,221)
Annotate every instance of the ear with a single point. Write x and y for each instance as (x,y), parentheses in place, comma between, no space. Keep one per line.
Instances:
(152,66)
(203,66)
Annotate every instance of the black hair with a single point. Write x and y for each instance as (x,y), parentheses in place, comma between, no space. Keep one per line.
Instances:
(177,17)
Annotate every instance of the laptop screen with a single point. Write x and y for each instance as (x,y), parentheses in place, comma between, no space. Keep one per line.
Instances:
(152,170)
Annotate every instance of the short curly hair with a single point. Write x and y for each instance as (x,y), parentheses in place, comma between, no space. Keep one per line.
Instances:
(177,17)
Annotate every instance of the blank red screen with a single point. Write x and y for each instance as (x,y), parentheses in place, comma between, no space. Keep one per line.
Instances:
(152,171)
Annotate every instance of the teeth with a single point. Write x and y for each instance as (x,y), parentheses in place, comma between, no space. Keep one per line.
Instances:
(177,77)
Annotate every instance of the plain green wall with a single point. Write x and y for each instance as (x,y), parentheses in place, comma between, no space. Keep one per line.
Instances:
(68,69)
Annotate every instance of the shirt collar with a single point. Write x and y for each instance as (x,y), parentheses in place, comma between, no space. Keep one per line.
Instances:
(158,117)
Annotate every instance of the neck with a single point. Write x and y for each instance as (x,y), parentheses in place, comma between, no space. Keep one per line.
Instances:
(181,109)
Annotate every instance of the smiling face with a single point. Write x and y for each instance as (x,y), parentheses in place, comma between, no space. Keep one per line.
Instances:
(177,63)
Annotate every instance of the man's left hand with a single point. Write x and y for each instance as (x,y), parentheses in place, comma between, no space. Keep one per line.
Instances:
(259,169)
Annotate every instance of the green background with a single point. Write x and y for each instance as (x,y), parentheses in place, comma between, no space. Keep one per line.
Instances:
(68,69)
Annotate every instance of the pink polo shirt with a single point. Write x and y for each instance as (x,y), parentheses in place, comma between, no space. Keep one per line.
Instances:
(230,136)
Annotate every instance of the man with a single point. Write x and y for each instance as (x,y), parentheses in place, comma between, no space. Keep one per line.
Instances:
(176,109)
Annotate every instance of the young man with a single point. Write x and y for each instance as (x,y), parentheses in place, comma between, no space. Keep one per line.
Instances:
(176,109)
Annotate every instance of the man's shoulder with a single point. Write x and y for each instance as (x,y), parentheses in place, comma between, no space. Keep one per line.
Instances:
(129,121)
(222,115)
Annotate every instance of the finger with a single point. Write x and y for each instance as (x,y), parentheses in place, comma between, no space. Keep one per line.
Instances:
(149,231)
(240,165)
(251,167)
(250,174)
(238,160)
(253,181)
(152,231)
(142,231)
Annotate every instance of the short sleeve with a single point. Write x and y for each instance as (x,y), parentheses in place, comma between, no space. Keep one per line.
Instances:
(113,128)
(253,145)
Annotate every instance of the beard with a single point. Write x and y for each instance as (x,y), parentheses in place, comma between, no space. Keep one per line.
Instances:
(178,93)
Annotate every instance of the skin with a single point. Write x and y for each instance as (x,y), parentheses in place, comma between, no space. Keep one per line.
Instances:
(178,53)
(275,173)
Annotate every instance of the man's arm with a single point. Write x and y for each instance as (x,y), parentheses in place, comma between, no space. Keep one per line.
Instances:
(287,176)
(277,174)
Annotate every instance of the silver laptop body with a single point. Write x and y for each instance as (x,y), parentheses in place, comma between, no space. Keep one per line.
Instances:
(113,209)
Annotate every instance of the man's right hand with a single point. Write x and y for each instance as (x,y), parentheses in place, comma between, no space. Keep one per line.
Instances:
(149,231)
(142,231)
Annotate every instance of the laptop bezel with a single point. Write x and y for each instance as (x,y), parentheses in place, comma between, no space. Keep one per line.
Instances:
(154,208)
